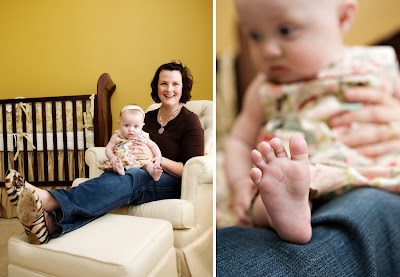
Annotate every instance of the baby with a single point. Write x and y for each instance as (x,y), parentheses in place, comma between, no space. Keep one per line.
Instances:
(297,46)
(121,150)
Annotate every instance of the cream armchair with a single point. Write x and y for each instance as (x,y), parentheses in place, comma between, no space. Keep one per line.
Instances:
(191,215)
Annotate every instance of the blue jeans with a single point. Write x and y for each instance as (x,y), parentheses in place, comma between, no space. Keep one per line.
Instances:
(356,234)
(98,196)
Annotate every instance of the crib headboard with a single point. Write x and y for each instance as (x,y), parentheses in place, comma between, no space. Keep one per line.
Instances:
(45,138)
(105,88)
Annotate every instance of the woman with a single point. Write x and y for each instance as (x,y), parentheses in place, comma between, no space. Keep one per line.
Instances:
(177,132)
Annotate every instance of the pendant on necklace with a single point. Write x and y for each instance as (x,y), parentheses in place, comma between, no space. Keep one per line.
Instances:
(161,130)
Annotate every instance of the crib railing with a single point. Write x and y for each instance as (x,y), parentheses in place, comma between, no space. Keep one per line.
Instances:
(21,137)
(61,165)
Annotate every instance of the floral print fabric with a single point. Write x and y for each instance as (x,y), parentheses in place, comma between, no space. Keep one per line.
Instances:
(305,108)
(124,149)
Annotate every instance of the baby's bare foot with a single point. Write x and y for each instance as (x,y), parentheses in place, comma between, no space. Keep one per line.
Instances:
(119,168)
(157,171)
(284,187)
(156,174)
(154,171)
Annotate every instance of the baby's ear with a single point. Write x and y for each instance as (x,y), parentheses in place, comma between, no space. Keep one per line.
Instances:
(347,14)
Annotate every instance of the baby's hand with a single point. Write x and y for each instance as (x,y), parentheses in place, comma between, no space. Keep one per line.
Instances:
(114,161)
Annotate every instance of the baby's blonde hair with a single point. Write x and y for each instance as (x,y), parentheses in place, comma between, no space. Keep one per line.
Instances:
(132,107)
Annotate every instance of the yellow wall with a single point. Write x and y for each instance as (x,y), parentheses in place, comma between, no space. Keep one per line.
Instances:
(375,20)
(56,48)
(226,20)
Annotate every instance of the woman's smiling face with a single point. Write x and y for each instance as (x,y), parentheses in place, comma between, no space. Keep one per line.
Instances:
(170,87)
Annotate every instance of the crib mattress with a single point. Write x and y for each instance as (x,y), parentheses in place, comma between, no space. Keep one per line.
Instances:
(13,139)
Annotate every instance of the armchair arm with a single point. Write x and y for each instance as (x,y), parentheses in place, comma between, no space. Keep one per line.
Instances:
(92,156)
(197,187)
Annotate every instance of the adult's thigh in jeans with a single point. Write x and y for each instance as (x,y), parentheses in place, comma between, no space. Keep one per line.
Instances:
(148,190)
(356,234)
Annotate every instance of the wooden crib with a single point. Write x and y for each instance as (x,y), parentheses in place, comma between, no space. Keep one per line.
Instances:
(52,158)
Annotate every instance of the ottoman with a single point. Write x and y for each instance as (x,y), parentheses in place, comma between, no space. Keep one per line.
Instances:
(113,245)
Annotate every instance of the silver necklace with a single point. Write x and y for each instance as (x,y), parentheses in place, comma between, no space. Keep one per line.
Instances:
(161,130)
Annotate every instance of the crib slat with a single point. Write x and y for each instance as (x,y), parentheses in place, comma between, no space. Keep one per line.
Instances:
(45,152)
(35,154)
(75,128)
(25,151)
(64,126)
(55,146)
(5,142)
(84,138)
(14,127)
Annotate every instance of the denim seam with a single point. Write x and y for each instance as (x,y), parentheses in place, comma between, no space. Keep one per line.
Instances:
(134,195)
(152,188)
(117,205)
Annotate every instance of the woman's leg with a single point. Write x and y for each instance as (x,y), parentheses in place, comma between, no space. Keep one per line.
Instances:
(48,200)
(357,234)
(98,196)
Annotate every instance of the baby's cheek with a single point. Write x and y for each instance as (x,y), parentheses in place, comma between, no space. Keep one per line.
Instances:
(258,60)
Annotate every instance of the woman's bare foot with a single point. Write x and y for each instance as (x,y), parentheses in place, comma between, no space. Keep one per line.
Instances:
(154,171)
(284,187)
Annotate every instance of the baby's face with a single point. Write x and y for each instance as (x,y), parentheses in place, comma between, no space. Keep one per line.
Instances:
(131,123)
(291,40)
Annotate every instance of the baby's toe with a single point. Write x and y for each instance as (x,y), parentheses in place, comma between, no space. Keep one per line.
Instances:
(298,148)
(278,148)
(258,160)
(255,175)
(267,151)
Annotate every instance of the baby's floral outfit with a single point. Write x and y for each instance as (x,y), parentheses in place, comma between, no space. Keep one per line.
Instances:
(124,149)
(305,107)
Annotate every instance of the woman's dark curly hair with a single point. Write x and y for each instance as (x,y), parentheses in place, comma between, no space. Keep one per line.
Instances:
(187,81)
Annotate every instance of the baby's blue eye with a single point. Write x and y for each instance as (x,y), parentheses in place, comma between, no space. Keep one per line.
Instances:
(255,36)
(285,31)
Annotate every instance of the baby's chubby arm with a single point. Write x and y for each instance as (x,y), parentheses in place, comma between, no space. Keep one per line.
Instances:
(241,142)
(110,148)
(155,150)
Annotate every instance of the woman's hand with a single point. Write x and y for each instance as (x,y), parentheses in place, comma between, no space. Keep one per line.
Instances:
(379,131)
(142,148)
